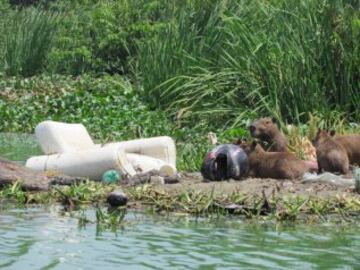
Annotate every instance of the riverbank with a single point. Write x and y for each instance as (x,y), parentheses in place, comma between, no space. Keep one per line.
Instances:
(265,199)
(283,200)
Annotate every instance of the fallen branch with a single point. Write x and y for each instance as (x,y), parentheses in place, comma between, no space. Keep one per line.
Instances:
(11,172)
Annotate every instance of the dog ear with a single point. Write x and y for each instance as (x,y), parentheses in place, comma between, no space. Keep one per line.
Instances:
(274,120)
(332,133)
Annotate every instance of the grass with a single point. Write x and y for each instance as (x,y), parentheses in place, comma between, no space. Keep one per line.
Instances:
(155,199)
(112,110)
(284,58)
(204,62)
(186,68)
(299,137)
(183,69)
(28,38)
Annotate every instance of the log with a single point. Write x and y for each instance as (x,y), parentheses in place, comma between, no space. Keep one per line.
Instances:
(11,172)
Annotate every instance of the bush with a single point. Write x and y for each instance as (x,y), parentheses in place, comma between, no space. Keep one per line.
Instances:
(100,37)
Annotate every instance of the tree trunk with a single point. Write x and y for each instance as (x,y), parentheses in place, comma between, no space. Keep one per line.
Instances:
(10,172)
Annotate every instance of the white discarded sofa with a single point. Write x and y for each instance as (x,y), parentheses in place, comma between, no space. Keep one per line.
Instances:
(69,149)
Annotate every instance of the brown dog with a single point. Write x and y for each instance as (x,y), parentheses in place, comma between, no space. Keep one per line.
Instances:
(331,155)
(351,144)
(266,129)
(277,165)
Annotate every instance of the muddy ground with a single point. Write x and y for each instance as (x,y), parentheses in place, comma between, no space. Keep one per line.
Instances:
(255,186)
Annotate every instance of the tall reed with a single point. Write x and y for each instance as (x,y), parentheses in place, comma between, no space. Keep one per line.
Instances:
(28,37)
(285,57)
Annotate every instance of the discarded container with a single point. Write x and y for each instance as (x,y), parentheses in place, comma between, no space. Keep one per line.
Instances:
(162,148)
(224,162)
(111,177)
(91,164)
(143,164)
(70,150)
(57,138)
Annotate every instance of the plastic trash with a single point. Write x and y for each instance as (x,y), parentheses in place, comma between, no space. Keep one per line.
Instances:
(329,178)
(70,150)
(224,162)
(357,179)
(111,177)
(57,138)
(162,148)
(91,164)
(117,198)
(143,164)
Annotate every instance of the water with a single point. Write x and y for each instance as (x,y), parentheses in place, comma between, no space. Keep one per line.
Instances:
(18,147)
(49,238)
(45,238)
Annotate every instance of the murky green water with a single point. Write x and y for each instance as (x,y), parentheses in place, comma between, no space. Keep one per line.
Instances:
(18,147)
(49,238)
(39,238)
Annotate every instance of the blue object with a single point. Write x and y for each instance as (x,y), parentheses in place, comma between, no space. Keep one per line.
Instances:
(111,177)
(224,162)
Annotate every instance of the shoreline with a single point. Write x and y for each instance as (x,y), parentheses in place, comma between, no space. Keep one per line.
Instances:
(258,199)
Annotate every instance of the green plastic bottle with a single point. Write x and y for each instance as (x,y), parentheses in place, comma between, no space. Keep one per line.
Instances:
(111,177)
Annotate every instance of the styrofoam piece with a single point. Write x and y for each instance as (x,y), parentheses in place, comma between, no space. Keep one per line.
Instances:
(70,150)
(162,148)
(56,137)
(143,164)
(168,170)
(91,164)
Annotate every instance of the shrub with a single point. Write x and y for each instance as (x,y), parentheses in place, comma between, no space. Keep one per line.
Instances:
(100,37)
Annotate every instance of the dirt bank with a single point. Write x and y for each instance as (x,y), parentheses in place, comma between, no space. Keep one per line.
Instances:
(255,186)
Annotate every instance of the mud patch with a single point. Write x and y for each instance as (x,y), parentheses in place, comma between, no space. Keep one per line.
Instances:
(256,186)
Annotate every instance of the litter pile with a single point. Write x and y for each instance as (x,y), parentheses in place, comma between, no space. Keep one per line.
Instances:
(69,150)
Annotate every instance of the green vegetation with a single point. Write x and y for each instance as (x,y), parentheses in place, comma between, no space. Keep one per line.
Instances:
(108,106)
(156,199)
(138,68)
(28,37)
(284,58)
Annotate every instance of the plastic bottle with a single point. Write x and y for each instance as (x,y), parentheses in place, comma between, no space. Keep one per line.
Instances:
(111,177)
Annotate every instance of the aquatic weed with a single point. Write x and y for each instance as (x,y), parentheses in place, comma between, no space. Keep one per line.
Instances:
(15,193)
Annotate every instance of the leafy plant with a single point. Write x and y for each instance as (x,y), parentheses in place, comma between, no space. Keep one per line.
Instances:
(14,193)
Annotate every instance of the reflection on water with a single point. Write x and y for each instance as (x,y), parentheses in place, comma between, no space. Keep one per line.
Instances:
(39,238)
